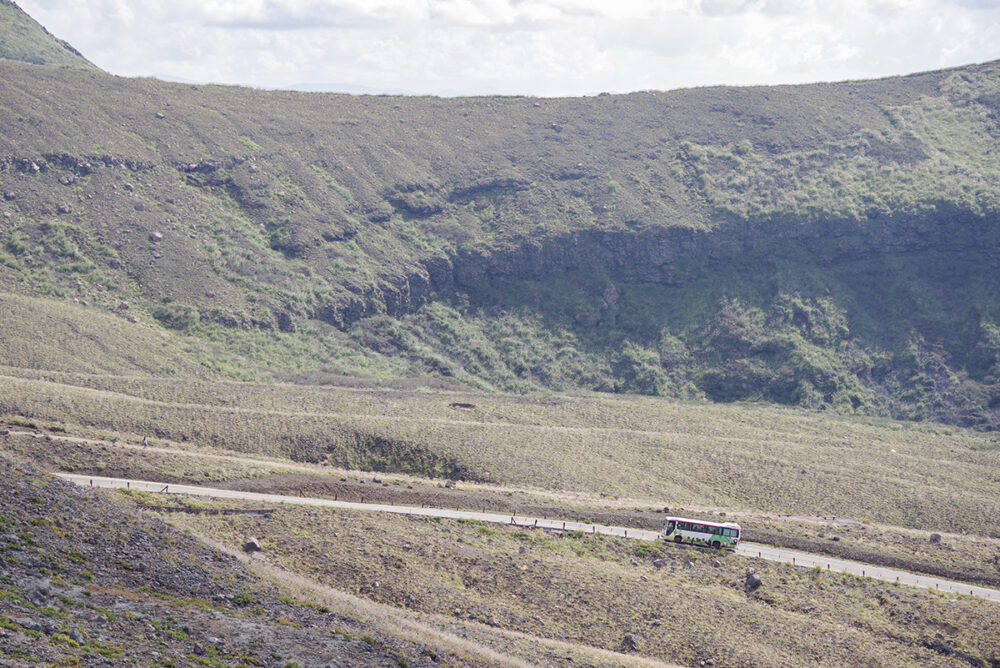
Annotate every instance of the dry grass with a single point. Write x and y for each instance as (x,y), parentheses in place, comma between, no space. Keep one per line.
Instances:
(964,557)
(594,590)
(432,630)
(746,457)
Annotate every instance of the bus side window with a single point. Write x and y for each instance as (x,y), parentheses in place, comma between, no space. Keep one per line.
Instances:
(669,527)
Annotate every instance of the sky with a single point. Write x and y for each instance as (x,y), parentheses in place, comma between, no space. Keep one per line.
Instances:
(521,47)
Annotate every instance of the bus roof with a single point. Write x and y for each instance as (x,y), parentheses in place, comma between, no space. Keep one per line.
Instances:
(731,525)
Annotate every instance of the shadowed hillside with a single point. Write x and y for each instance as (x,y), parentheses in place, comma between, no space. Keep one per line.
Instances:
(827,246)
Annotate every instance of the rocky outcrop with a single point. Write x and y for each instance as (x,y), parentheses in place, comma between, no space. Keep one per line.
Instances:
(671,256)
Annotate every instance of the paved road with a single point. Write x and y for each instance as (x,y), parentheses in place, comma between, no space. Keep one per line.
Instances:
(767,552)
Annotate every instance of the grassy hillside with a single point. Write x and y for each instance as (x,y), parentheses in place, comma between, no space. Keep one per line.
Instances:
(23,39)
(593,590)
(829,246)
(777,460)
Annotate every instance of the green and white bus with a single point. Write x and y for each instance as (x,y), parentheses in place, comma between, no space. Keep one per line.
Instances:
(700,532)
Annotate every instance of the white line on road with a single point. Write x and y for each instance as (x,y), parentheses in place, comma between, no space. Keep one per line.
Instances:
(803,559)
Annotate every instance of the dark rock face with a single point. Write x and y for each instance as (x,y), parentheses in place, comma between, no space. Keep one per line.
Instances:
(752,582)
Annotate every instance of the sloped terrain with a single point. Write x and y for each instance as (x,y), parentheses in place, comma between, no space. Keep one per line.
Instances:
(829,246)
(86,580)
(23,39)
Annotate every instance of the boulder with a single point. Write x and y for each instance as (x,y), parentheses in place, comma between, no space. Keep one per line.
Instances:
(659,563)
(935,538)
(753,581)
(251,545)
(630,643)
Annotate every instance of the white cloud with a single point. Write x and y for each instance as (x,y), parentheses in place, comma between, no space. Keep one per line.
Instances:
(544,47)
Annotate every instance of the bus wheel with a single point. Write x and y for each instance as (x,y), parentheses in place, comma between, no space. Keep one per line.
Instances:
(716,544)
(677,539)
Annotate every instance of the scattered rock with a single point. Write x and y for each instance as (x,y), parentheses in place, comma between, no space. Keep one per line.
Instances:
(7,214)
(753,581)
(630,643)
(659,563)
(689,564)
(376,479)
(935,538)
(139,206)
(129,187)
(64,208)
(252,545)
(522,550)
(26,623)
(77,637)
(198,649)
(716,563)
(9,195)
(450,484)
(123,306)
(160,114)
(155,236)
